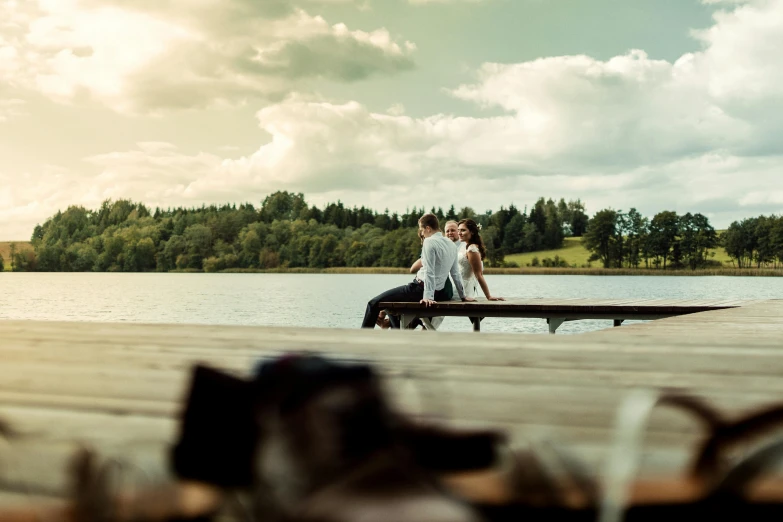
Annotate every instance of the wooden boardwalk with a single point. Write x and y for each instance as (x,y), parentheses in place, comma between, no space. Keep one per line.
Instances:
(119,386)
(556,311)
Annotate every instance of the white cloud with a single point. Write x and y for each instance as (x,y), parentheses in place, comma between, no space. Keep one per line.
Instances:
(728,2)
(145,56)
(28,198)
(698,134)
(423,2)
(10,108)
(313,146)
(576,112)
(397,109)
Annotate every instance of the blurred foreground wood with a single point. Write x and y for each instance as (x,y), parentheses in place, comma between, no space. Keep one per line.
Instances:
(118,387)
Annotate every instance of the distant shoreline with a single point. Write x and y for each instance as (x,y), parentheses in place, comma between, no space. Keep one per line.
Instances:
(524,270)
(607,272)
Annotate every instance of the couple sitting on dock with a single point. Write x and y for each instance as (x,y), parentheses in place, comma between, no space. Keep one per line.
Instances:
(440,257)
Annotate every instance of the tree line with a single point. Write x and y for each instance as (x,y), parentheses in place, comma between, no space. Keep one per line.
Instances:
(284,232)
(755,241)
(669,240)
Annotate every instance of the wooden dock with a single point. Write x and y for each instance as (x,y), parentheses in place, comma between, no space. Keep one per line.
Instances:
(119,387)
(557,311)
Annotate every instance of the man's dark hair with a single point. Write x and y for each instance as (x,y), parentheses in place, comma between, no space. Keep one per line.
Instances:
(429,220)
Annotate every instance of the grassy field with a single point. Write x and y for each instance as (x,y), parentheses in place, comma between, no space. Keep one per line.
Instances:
(5,250)
(575,254)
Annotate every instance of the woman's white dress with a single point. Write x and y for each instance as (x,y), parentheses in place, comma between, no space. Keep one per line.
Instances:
(469,281)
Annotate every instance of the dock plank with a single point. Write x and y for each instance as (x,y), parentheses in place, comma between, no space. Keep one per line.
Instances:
(119,386)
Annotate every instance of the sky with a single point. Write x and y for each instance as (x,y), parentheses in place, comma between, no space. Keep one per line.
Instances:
(652,104)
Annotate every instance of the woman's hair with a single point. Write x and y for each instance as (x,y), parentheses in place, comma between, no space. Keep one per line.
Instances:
(475,237)
(429,220)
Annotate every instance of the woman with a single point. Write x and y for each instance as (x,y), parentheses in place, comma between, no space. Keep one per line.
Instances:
(471,260)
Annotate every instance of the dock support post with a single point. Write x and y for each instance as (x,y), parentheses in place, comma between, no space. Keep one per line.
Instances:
(554,323)
(618,322)
(406,320)
(427,322)
(476,323)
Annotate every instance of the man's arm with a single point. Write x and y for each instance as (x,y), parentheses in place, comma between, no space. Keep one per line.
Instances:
(457,278)
(428,258)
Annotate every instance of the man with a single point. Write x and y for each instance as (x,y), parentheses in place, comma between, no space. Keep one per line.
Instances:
(439,257)
(451,231)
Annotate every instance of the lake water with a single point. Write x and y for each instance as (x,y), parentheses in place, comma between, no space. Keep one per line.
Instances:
(320,300)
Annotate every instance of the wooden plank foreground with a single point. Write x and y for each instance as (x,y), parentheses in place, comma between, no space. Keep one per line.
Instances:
(118,387)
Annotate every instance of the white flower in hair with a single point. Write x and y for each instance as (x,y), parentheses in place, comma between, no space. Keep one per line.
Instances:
(478,226)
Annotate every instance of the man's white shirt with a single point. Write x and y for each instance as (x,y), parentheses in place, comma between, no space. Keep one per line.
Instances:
(439,258)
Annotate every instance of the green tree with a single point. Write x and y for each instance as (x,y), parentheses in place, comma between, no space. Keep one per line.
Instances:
(212,264)
(491,238)
(565,213)
(81,257)
(765,250)
(124,235)
(12,255)
(464,213)
(601,237)
(635,231)
(578,217)
(283,205)
(696,238)
(322,252)
(776,235)
(499,220)
(49,256)
(199,240)
(250,247)
(664,228)
(25,261)
(553,233)
(531,238)
(383,221)
(335,214)
(537,216)
(740,241)
(513,239)
(268,259)
(143,256)
(171,250)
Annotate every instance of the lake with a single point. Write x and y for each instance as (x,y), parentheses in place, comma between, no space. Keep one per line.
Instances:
(321,300)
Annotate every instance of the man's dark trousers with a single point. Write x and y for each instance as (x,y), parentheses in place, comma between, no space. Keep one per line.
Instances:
(413,292)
